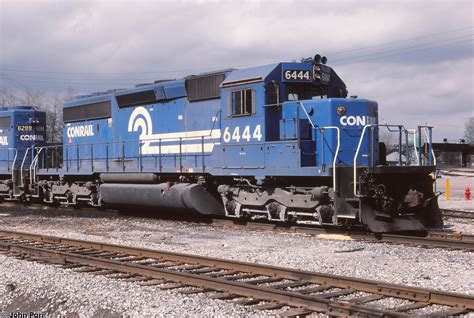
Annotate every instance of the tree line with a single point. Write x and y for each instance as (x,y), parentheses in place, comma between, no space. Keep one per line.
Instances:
(52,104)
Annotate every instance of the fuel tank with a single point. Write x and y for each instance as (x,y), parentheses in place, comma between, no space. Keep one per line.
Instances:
(181,196)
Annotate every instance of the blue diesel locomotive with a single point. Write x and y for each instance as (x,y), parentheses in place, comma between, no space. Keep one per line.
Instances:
(280,142)
(22,128)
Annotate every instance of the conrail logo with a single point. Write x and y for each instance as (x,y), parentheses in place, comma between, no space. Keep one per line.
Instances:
(80,131)
(32,137)
(197,141)
(353,120)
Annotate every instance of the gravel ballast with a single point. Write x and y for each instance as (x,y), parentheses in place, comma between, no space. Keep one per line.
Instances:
(54,291)
(49,289)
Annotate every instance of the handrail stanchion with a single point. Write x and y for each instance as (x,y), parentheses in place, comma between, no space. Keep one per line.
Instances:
(355,158)
(297,126)
(407,148)
(140,159)
(429,137)
(432,155)
(159,150)
(107,156)
(44,160)
(323,163)
(420,158)
(334,161)
(34,165)
(92,157)
(56,158)
(13,164)
(202,154)
(22,184)
(123,155)
(414,146)
(372,148)
(400,145)
(180,155)
(67,158)
(77,157)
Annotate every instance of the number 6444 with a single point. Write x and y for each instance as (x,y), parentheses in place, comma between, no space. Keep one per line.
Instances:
(242,134)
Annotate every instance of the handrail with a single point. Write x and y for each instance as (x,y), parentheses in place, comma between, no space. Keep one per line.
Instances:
(34,163)
(147,138)
(21,167)
(417,154)
(306,113)
(13,163)
(186,138)
(334,161)
(429,140)
(412,131)
(218,113)
(355,158)
(360,144)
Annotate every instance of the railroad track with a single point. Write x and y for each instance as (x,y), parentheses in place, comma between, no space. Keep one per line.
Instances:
(459,214)
(432,239)
(265,287)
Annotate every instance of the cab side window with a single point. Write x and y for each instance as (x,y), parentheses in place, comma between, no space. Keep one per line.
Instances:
(243,102)
(5,122)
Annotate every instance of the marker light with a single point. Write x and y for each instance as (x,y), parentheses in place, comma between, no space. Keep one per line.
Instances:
(317,59)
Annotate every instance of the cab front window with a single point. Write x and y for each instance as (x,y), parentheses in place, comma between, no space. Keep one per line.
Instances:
(303,91)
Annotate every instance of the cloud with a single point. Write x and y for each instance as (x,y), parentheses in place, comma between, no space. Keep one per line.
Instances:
(418,94)
(177,38)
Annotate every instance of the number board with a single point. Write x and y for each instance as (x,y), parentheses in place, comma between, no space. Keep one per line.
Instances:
(297,75)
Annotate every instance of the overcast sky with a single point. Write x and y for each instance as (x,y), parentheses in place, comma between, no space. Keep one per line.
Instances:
(415,58)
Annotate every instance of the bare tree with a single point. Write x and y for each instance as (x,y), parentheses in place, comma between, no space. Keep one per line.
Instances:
(8,99)
(469,130)
(52,104)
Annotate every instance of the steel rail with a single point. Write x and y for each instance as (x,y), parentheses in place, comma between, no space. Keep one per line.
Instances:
(449,240)
(238,288)
(457,214)
(46,248)
(432,239)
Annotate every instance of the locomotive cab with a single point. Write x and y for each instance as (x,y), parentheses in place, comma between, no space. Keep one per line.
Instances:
(291,123)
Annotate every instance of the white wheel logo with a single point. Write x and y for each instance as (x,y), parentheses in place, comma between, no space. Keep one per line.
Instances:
(140,118)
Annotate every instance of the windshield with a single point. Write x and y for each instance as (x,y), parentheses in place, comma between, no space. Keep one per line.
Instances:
(303,91)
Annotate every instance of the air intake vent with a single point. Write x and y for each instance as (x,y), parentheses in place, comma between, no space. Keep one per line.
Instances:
(136,99)
(205,87)
(87,112)
(5,122)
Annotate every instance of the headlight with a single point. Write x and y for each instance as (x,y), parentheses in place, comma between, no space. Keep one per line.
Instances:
(341,110)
